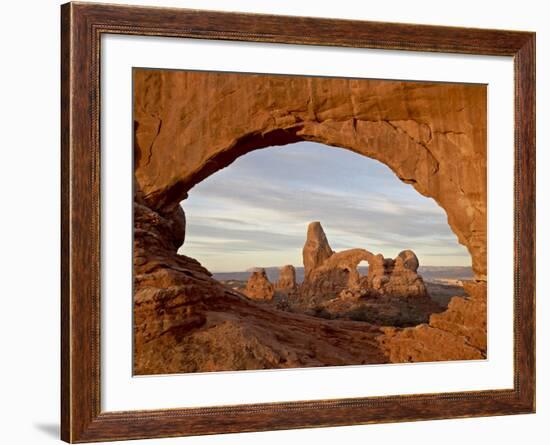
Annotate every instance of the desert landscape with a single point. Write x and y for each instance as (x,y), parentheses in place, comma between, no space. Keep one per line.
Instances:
(388,292)
(352,306)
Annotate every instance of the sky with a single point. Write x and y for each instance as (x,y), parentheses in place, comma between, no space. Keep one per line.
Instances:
(255,212)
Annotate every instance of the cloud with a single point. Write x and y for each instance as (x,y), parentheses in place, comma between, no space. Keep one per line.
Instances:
(258,209)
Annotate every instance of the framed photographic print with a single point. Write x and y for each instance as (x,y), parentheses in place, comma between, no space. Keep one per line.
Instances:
(276,222)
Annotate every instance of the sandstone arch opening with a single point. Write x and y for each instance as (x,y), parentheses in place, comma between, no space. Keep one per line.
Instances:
(190,125)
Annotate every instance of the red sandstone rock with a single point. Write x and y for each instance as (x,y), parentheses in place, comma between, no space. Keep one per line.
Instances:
(426,344)
(433,136)
(338,272)
(459,333)
(316,249)
(188,125)
(258,286)
(185,321)
(397,277)
(287,279)
(332,276)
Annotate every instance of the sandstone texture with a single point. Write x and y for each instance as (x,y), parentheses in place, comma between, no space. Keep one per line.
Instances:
(392,293)
(316,249)
(259,286)
(188,125)
(185,321)
(329,273)
(459,333)
(287,280)
(397,277)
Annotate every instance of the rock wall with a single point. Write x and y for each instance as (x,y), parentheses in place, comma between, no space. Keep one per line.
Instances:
(459,333)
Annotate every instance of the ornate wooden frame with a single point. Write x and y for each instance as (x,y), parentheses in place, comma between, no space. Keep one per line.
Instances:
(81,28)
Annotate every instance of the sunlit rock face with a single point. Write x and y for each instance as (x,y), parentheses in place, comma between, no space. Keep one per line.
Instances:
(259,286)
(287,280)
(188,125)
(459,333)
(328,273)
(397,277)
(316,249)
(433,136)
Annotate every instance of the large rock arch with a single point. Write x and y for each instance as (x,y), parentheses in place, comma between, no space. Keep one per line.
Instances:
(188,125)
(433,136)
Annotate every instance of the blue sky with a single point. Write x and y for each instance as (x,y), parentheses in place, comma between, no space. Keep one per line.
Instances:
(256,211)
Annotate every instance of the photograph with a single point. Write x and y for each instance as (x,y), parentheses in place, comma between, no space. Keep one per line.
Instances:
(235,222)
(290,221)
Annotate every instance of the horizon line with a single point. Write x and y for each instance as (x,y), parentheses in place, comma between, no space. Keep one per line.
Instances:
(301,267)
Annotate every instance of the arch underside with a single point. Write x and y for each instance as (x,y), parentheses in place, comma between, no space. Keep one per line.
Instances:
(188,125)
(432,136)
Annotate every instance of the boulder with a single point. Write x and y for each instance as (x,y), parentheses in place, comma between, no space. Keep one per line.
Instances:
(258,286)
